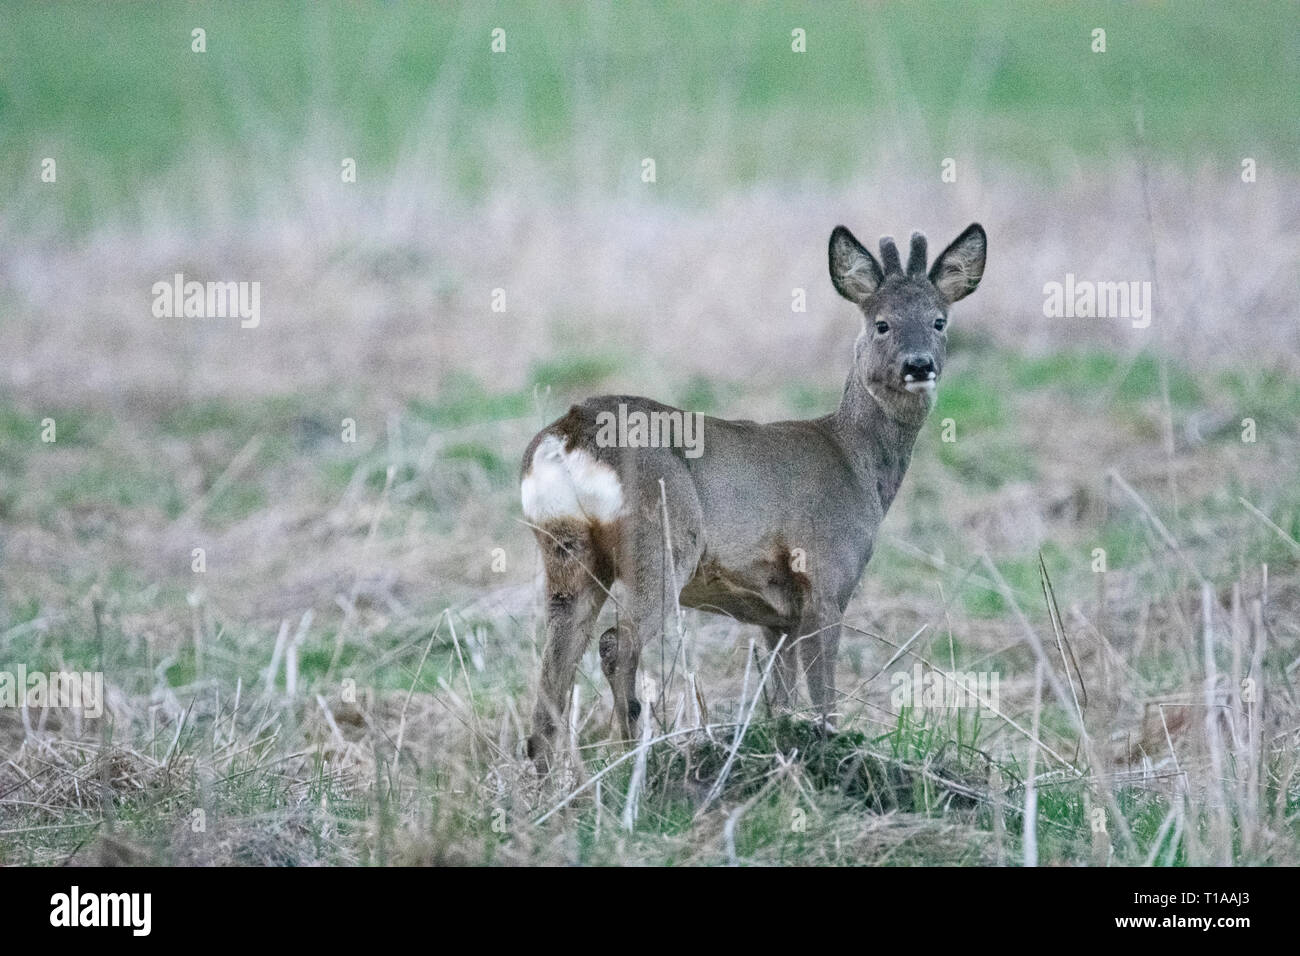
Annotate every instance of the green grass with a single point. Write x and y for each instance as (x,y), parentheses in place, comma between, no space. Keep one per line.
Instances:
(465,401)
(700,394)
(116,96)
(488,459)
(120,483)
(247,416)
(1267,396)
(807,401)
(1022,577)
(72,426)
(1093,374)
(575,371)
(983,449)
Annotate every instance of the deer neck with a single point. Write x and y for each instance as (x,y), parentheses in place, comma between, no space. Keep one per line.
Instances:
(877,433)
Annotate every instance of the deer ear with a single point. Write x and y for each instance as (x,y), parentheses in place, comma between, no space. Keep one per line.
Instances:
(855,272)
(960,267)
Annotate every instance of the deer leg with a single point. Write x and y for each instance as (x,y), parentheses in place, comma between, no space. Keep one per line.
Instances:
(819,646)
(652,608)
(784,682)
(619,659)
(568,632)
(574,599)
(654,582)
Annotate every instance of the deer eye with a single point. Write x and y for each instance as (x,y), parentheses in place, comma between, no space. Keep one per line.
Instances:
(882,327)
(940,323)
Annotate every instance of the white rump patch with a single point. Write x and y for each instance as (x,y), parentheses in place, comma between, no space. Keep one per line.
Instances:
(569,484)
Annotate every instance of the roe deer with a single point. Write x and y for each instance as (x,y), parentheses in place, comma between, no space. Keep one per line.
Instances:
(747,503)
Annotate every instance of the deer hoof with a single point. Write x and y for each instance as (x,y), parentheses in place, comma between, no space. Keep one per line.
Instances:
(539,752)
(825,727)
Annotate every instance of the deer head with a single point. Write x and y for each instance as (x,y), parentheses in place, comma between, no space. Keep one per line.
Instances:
(899,355)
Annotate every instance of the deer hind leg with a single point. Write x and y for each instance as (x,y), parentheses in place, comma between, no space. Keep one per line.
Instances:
(653,585)
(619,658)
(784,683)
(578,576)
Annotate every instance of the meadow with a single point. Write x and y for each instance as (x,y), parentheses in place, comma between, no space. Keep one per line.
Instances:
(296,551)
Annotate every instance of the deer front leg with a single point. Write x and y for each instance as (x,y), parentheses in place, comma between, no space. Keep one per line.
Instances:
(784,682)
(819,645)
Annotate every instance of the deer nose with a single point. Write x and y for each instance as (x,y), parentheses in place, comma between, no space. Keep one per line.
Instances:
(918,368)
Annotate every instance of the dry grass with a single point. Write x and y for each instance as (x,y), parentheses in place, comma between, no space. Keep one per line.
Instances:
(377,299)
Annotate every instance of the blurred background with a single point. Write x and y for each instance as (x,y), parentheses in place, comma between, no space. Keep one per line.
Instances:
(343,678)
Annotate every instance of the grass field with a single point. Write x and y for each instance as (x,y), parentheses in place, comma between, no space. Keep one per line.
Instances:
(347,677)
